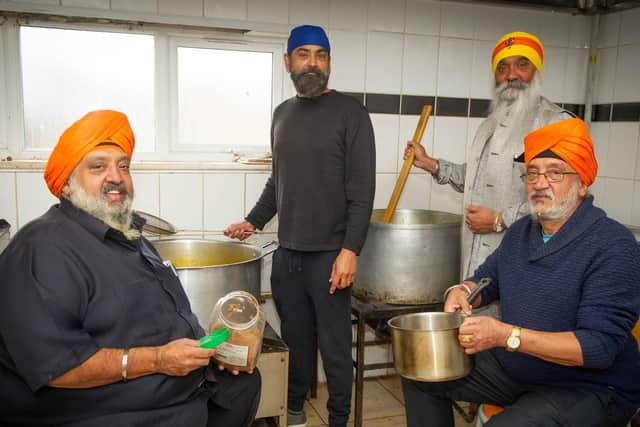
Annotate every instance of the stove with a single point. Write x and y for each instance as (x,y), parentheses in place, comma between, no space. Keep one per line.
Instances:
(375,314)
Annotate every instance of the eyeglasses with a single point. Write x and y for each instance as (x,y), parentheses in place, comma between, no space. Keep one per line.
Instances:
(551,176)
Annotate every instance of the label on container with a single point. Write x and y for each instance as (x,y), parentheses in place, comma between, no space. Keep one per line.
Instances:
(232,354)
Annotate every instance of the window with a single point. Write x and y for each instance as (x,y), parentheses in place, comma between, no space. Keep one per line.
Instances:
(189,95)
(224,97)
(66,73)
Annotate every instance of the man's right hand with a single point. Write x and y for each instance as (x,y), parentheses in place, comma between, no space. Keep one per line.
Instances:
(421,159)
(240,230)
(182,356)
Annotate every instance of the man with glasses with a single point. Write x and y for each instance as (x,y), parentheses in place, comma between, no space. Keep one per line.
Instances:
(494,196)
(567,277)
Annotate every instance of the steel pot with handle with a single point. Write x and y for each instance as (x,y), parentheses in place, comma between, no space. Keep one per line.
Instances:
(410,260)
(426,347)
(210,269)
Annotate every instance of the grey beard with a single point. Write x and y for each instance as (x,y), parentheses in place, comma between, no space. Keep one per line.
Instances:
(560,208)
(308,85)
(514,104)
(118,216)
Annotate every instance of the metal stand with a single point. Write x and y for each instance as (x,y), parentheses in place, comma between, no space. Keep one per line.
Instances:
(362,312)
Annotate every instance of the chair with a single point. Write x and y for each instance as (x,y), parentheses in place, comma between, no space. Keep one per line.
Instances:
(486,410)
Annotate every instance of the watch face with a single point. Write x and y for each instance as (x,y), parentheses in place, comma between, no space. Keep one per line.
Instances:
(513,342)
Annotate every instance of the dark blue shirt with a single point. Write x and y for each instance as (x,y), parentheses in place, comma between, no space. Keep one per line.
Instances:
(584,280)
(71,286)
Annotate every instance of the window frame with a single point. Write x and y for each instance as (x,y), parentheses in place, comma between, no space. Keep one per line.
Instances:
(167,39)
(277,70)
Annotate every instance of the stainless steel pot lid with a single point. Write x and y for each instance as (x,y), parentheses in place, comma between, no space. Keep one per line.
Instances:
(156,225)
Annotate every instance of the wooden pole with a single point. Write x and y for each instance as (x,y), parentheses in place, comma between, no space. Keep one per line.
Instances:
(406,166)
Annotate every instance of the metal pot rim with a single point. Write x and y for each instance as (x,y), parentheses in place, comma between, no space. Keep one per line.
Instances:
(263,252)
(453,220)
(391,324)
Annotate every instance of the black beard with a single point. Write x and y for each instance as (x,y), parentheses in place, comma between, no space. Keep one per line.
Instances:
(310,82)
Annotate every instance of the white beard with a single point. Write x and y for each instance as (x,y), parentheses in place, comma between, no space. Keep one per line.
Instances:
(118,216)
(516,107)
(560,207)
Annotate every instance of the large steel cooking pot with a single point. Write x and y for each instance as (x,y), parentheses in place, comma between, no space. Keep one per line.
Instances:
(410,260)
(426,346)
(210,269)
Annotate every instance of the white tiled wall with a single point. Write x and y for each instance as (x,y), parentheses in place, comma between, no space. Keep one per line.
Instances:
(412,47)
(618,143)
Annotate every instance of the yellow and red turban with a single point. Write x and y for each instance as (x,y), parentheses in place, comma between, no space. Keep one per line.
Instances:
(518,43)
(570,140)
(81,138)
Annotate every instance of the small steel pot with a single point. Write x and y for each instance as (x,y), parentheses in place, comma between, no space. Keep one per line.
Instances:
(426,346)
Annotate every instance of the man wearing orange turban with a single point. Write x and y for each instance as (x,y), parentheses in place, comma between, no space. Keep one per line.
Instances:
(94,130)
(494,194)
(570,141)
(562,352)
(87,304)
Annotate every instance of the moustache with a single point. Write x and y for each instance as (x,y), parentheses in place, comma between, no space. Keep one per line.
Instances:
(512,84)
(310,70)
(111,186)
(542,193)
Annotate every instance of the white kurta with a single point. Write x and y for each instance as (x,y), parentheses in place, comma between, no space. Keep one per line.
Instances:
(491,178)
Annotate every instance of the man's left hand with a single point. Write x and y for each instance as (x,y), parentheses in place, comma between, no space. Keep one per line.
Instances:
(344,270)
(479,333)
(234,371)
(479,219)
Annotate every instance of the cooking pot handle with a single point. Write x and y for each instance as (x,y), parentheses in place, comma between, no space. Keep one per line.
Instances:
(483,283)
(270,251)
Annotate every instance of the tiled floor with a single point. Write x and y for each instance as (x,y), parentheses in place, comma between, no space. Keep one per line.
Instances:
(383,406)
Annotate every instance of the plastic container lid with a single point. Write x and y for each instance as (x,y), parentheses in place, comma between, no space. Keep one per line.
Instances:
(239,310)
(215,338)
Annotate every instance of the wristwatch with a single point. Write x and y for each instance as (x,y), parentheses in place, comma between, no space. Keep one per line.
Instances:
(513,342)
(497,223)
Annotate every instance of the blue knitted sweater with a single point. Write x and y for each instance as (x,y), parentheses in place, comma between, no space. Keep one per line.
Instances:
(586,279)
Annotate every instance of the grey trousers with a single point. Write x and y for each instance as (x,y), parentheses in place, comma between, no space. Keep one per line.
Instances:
(429,404)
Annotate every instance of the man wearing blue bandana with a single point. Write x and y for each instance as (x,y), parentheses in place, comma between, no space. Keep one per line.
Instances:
(322,187)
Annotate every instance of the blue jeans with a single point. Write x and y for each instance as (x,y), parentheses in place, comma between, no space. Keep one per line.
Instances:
(429,404)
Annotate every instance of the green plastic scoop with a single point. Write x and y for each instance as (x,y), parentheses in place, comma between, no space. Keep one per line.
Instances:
(215,338)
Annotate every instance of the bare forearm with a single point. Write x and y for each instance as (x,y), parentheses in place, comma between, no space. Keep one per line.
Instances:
(561,348)
(105,367)
(176,358)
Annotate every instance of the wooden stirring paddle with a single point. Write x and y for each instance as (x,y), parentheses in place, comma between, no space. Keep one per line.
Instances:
(406,166)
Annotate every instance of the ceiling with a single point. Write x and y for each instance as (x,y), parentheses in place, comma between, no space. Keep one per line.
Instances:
(583,7)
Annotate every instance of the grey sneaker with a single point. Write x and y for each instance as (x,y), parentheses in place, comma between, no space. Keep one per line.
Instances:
(296,418)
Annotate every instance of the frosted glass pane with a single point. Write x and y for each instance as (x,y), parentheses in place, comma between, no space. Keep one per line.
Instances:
(224,97)
(67,73)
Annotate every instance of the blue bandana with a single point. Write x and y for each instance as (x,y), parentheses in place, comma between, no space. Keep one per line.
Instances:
(307,34)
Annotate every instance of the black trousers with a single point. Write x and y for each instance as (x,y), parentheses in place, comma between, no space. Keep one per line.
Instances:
(235,399)
(300,286)
(429,404)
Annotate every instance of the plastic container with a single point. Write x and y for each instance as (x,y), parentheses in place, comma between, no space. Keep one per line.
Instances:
(241,314)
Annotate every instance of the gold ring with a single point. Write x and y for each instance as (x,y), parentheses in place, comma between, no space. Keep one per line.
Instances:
(466,339)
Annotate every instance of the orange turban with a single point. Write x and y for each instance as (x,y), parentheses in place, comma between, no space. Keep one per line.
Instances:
(81,138)
(518,43)
(570,140)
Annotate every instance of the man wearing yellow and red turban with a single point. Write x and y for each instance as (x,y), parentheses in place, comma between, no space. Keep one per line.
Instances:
(563,352)
(95,330)
(494,194)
